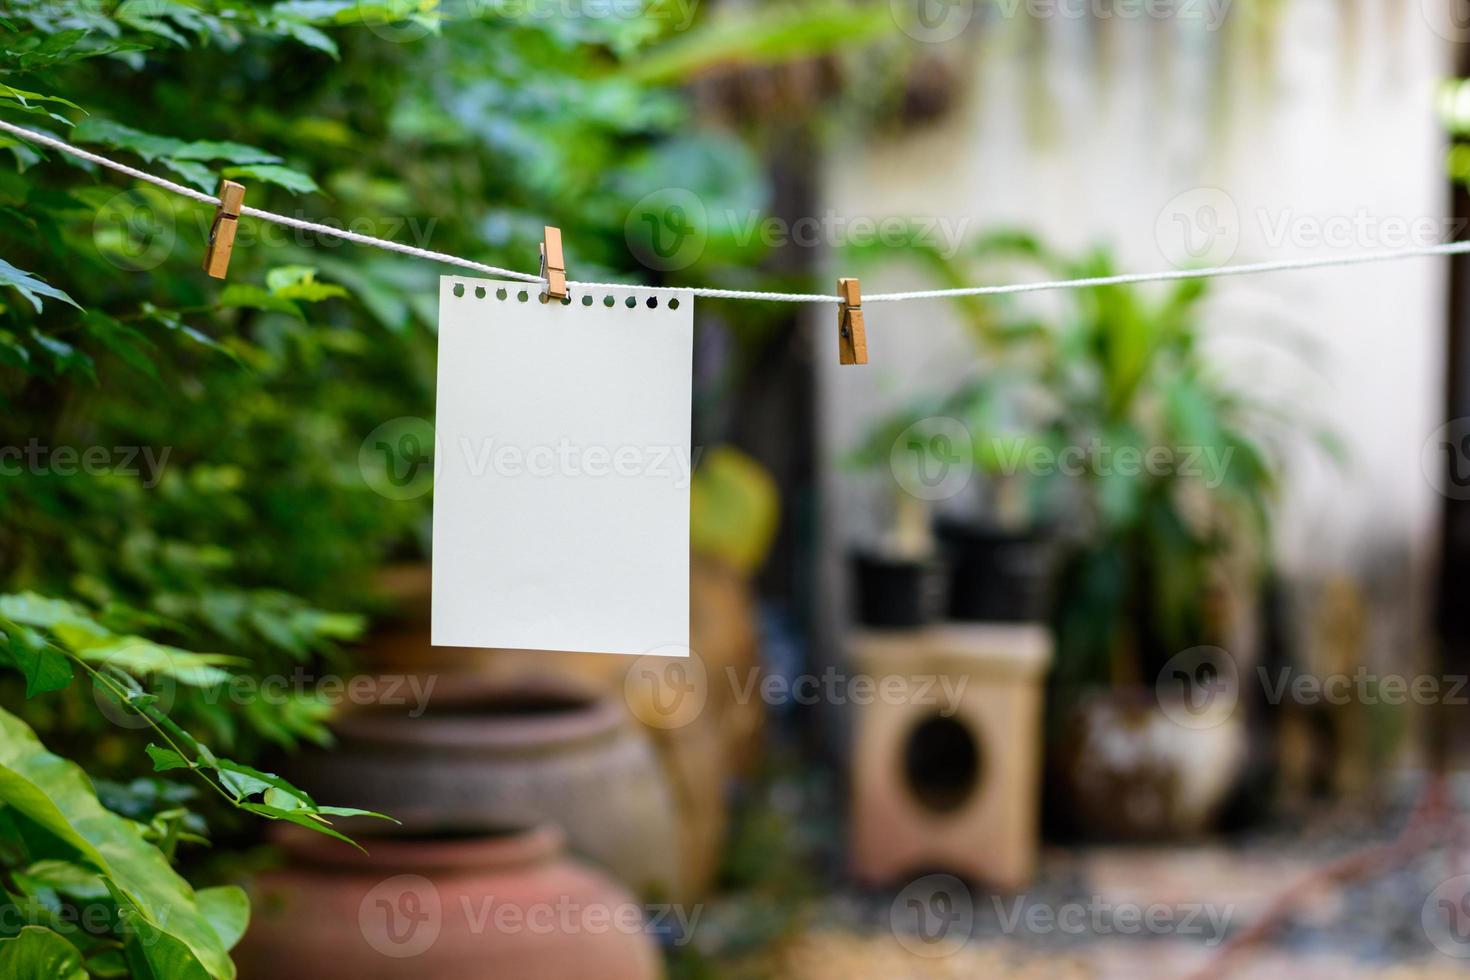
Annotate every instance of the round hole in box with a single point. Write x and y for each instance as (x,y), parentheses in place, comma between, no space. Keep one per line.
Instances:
(941,763)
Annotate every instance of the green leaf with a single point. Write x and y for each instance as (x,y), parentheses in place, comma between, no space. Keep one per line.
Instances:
(39,611)
(13,352)
(301,818)
(143,658)
(244,295)
(171,321)
(40,954)
(227,909)
(114,134)
(165,760)
(247,781)
(67,357)
(57,797)
(30,98)
(128,344)
(298,282)
(30,287)
(45,668)
(195,173)
(149,25)
(347,811)
(242,784)
(312,37)
(236,153)
(65,878)
(153,953)
(292,180)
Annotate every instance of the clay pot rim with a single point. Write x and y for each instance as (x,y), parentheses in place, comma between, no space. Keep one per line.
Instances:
(514,847)
(587,715)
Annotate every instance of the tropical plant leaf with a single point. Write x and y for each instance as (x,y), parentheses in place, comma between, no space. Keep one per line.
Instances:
(227,909)
(57,797)
(40,954)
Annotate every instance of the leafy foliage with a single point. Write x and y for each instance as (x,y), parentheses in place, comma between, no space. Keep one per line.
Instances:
(179,458)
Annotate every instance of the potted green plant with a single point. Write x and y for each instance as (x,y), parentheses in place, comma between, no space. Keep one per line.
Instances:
(1105,419)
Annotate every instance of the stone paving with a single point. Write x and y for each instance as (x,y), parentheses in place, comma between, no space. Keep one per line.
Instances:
(1105,912)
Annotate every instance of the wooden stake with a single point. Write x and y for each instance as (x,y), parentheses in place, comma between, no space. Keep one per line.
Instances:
(553,266)
(852,339)
(222,233)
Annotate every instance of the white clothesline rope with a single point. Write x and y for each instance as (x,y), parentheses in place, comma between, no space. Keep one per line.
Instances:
(1255,268)
(280,219)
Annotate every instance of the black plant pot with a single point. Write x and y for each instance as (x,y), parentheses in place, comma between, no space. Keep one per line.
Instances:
(996,575)
(894,593)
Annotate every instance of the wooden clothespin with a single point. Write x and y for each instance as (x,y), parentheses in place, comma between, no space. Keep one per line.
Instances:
(222,233)
(852,339)
(553,266)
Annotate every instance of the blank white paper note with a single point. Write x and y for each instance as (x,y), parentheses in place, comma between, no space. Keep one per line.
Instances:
(561,488)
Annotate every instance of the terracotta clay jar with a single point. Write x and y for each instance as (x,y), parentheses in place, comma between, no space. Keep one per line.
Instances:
(472,908)
(490,753)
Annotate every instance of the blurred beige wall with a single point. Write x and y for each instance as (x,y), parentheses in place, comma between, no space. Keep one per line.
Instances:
(1328,127)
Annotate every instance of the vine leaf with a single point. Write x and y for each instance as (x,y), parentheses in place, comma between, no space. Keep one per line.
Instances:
(166,759)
